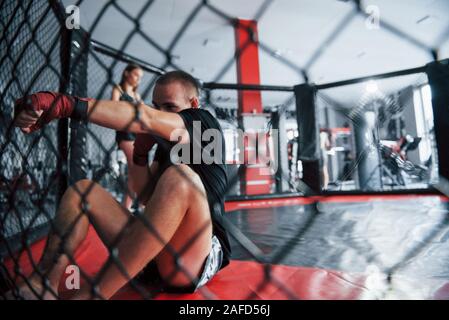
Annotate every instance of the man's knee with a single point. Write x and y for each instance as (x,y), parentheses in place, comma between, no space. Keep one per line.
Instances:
(181,180)
(84,187)
(74,205)
(83,184)
(78,192)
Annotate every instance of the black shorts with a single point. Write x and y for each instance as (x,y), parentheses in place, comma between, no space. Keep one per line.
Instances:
(124,136)
(212,264)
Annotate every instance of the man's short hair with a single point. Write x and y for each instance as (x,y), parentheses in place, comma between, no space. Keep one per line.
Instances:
(180,76)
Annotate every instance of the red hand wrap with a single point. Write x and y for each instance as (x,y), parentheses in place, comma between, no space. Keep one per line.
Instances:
(143,144)
(54,106)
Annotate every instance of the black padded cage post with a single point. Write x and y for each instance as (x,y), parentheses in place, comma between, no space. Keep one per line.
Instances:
(63,124)
(79,49)
(308,140)
(74,60)
(438,75)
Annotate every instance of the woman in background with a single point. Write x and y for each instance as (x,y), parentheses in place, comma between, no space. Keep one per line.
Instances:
(325,145)
(126,90)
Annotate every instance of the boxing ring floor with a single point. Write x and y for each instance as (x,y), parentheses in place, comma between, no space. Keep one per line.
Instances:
(332,247)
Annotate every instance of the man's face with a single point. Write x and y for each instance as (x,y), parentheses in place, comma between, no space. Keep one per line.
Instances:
(171,97)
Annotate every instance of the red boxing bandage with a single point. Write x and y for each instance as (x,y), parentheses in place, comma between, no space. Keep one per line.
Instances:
(143,144)
(54,106)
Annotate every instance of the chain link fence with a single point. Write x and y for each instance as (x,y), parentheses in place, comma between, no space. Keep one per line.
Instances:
(396,152)
(38,53)
(30,60)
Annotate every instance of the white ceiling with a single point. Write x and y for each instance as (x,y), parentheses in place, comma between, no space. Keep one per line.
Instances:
(294,29)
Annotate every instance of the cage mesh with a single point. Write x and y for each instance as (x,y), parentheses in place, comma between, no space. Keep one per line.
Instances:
(33,167)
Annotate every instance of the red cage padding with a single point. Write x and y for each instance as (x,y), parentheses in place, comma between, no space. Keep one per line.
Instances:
(240,280)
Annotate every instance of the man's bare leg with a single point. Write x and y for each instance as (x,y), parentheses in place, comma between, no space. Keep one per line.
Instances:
(72,223)
(179,211)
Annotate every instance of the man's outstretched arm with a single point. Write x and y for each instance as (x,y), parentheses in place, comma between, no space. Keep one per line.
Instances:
(36,110)
(121,115)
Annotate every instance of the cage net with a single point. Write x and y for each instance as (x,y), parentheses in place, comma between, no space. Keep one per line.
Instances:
(401,152)
(34,172)
(30,60)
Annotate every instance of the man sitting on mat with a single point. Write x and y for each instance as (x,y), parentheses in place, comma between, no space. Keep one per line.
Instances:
(180,230)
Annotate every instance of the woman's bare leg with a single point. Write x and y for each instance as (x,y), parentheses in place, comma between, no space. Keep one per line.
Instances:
(128,148)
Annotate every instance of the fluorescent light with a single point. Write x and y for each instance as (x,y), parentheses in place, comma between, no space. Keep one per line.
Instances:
(427,102)
(371,87)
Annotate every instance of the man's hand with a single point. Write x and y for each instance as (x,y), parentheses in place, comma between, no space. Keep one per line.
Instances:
(143,144)
(26,119)
(34,111)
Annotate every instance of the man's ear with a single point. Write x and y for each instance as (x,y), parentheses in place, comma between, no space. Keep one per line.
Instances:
(195,102)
